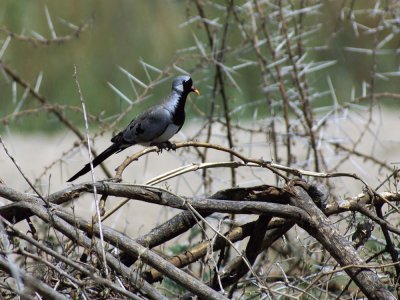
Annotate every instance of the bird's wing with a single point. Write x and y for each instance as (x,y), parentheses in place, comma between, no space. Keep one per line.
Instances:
(148,126)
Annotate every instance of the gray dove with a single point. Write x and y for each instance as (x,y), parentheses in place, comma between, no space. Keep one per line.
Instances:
(153,127)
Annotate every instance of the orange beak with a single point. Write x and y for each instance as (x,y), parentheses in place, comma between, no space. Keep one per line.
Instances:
(196,91)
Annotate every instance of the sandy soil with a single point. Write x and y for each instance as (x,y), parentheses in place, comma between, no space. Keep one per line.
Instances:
(35,152)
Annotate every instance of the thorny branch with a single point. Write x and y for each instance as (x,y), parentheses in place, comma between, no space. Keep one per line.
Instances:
(75,33)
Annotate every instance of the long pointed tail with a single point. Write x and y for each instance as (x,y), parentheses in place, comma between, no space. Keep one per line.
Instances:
(98,160)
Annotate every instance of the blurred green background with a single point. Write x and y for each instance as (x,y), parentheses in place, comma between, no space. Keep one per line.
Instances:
(120,34)
(123,32)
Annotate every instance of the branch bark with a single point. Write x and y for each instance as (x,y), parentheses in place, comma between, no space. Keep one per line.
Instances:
(320,227)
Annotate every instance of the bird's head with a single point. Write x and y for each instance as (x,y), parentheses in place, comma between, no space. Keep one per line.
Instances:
(184,84)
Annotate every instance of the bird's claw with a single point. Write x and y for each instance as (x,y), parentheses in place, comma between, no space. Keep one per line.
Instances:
(171,146)
(164,145)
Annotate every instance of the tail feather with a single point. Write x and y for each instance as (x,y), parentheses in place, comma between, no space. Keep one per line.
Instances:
(98,160)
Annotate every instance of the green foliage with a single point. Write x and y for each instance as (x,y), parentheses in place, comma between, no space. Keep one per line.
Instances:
(119,35)
(171,289)
(177,248)
(123,34)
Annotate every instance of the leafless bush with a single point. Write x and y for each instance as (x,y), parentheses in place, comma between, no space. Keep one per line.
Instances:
(293,200)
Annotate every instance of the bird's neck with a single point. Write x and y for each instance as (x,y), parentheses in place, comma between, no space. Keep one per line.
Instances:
(176,105)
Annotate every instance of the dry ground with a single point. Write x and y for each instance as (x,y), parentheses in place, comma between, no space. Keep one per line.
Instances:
(34,152)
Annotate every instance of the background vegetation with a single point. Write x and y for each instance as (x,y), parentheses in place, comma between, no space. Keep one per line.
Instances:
(159,32)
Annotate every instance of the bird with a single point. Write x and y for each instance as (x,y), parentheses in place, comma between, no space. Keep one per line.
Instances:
(153,127)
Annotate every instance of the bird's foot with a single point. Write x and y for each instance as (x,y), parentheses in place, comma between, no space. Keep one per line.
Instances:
(164,145)
(171,146)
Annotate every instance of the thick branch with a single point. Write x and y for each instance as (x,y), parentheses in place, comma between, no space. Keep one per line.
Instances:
(320,227)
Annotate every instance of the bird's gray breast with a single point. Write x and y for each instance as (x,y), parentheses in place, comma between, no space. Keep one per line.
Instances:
(168,133)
